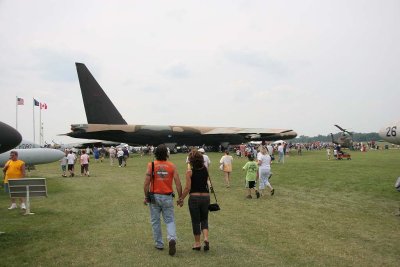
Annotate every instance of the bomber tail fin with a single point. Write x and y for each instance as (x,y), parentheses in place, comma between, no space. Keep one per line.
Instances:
(99,108)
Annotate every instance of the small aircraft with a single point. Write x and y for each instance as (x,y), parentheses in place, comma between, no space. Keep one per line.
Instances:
(106,123)
(390,133)
(345,139)
(9,137)
(32,154)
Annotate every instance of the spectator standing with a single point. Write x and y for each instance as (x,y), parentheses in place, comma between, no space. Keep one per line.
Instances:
(84,163)
(102,152)
(71,158)
(63,164)
(328,152)
(207,160)
(126,155)
(264,171)
(14,169)
(120,156)
(281,152)
(226,162)
(96,154)
(112,152)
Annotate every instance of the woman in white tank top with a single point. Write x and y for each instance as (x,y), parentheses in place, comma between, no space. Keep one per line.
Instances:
(264,171)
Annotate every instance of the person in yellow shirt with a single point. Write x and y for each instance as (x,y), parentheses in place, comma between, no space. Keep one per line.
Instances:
(14,169)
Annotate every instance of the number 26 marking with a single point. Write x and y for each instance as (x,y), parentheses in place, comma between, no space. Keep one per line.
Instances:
(391,131)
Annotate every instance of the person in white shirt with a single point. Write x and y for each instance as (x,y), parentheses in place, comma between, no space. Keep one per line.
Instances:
(64,163)
(120,156)
(84,163)
(226,162)
(264,170)
(112,152)
(71,158)
(207,160)
(281,153)
(207,163)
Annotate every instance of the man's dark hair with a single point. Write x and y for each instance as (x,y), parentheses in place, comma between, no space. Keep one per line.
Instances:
(161,152)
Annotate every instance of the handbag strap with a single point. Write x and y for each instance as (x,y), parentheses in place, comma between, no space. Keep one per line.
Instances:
(215,196)
(152,174)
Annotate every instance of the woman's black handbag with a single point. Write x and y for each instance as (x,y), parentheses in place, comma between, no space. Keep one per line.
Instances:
(213,206)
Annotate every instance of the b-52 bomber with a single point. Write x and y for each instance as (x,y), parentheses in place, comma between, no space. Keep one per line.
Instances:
(106,123)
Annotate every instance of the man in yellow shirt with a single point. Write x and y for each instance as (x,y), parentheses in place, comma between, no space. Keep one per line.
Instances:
(14,169)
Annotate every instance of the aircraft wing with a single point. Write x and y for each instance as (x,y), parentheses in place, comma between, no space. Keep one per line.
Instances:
(254,134)
(91,143)
(246,131)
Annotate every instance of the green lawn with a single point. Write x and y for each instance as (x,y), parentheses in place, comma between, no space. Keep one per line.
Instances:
(323,213)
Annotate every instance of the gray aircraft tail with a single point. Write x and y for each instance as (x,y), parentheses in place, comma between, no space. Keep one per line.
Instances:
(99,108)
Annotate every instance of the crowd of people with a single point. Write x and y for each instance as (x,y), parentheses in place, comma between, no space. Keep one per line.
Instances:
(161,174)
(158,190)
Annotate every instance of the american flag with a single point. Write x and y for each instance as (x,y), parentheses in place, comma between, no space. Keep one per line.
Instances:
(20,101)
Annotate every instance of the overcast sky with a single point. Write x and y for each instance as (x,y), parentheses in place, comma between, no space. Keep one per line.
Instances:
(301,65)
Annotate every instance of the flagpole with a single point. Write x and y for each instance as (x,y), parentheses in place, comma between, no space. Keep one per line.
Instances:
(40,123)
(33,111)
(16,112)
(42,140)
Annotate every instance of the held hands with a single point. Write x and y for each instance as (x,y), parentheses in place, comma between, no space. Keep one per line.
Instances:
(179,202)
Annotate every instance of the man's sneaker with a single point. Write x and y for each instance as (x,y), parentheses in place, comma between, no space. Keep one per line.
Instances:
(258,194)
(172,247)
(272,192)
(23,207)
(13,206)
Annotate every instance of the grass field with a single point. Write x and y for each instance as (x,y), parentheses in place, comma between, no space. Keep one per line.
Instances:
(323,213)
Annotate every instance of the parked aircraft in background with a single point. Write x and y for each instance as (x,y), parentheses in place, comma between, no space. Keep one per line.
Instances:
(106,123)
(9,137)
(32,154)
(390,133)
(345,139)
(85,144)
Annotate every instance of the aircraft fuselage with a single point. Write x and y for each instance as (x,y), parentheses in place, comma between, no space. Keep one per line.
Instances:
(158,134)
(391,133)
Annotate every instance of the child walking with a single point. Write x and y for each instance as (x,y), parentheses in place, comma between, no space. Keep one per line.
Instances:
(251,169)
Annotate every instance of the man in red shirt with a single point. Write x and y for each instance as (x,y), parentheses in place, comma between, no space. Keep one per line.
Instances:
(159,196)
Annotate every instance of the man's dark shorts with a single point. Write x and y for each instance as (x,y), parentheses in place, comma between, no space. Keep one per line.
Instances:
(251,184)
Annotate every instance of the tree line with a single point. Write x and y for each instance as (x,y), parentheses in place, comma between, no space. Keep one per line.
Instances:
(357,137)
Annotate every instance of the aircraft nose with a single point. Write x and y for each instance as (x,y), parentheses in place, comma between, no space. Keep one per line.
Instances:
(9,138)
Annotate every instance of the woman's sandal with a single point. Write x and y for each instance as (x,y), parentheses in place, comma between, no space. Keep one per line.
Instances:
(206,245)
